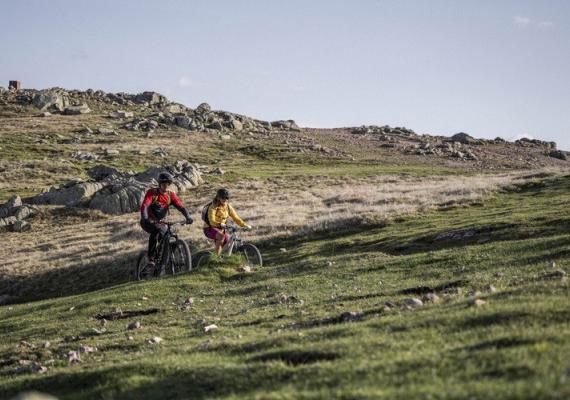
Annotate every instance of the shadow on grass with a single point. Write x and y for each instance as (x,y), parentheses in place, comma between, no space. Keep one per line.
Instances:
(155,382)
(75,279)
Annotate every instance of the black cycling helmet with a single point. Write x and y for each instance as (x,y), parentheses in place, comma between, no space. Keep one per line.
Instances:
(223,194)
(165,177)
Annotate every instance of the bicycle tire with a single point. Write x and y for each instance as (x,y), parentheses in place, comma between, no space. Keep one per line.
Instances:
(180,257)
(142,262)
(251,254)
(201,258)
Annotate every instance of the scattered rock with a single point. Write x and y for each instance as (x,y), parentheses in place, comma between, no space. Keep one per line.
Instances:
(558,274)
(27,366)
(87,349)
(351,316)
(413,302)
(476,302)
(218,171)
(187,303)
(283,250)
(73,357)
(76,110)
(245,269)
(160,152)
(105,131)
(45,114)
(134,325)
(122,114)
(21,226)
(112,152)
(431,298)
(155,340)
(98,331)
(84,156)
(489,288)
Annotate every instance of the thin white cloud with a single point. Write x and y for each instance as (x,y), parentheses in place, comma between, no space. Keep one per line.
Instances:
(545,24)
(184,81)
(526,22)
(522,21)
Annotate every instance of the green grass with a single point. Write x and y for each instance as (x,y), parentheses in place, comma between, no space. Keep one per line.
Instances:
(270,346)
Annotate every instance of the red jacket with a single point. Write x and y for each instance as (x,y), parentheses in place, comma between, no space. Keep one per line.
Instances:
(156,204)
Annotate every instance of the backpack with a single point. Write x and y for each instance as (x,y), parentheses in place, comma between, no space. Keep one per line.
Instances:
(157,193)
(205,210)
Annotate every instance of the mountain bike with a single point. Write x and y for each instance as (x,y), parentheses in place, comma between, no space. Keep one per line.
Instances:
(250,254)
(172,256)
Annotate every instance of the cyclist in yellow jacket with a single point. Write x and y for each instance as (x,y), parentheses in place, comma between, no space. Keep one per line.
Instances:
(218,213)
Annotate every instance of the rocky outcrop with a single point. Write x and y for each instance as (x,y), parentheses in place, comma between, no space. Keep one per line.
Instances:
(52,100)
(13,214)
(116,192)
(559,154)
(71,194)
(383,130)
(120,197)
(121,106)
(525,142)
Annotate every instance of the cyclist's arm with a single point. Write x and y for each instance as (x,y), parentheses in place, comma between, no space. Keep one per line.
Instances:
(235,217)
(179,205)
(146,202)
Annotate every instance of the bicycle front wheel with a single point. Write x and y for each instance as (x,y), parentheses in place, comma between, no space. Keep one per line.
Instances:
(141,270)
(250,254)
(181,259)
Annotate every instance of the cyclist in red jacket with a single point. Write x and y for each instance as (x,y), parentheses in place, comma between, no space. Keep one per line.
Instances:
(154,209)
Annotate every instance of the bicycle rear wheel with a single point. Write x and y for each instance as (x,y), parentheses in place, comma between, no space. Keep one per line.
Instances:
(181,259)
(202,258)
(250,254)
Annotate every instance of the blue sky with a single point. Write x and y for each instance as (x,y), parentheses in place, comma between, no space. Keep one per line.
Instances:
(489,68)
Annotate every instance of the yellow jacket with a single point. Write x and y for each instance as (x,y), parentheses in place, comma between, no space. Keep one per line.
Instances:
(219,215)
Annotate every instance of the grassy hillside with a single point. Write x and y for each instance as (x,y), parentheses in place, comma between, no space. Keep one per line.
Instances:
(283,331)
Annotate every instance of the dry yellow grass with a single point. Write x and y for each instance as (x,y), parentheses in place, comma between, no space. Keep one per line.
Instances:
(70,251)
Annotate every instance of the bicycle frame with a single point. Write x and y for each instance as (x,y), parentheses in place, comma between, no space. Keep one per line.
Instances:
(235,239)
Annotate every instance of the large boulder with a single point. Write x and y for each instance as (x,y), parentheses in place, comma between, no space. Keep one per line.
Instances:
(101,172)
(559,154)
(186,175)
(151,98)
(71,194)
(50,100)
(288,124)
(174,108)
(8,208)
(120,197)
(203,108)
(76,110)
(182,121)
(463,138)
